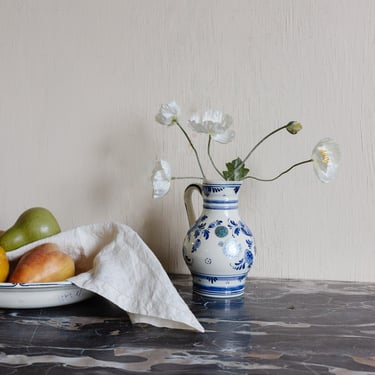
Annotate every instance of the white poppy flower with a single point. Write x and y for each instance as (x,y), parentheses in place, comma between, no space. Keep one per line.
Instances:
(326,158)
(214,123)
(168,113)
(161,178)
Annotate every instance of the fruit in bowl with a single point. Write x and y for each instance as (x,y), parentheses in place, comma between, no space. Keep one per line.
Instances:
(42,264)
(4,265)
(32,225)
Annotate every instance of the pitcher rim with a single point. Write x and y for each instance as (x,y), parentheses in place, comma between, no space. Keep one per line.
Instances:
(221,182)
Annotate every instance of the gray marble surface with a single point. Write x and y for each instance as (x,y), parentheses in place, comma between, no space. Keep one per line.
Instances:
(278,327)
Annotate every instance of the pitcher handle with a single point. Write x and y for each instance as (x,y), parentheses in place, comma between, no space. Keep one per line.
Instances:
(192,218)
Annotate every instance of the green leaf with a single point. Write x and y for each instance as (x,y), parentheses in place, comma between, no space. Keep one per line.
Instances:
(236,170)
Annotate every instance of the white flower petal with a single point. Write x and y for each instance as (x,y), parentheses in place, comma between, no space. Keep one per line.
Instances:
(195,123)
(225,137)
(212,116)
(161,178)
(214,123)
(168,113)
(326,159)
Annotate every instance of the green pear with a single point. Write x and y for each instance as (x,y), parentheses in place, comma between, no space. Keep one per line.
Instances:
(33,224)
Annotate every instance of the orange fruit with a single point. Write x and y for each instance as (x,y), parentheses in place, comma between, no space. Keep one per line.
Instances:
(4,265)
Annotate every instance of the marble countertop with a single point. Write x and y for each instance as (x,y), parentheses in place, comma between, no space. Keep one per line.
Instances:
(278,327)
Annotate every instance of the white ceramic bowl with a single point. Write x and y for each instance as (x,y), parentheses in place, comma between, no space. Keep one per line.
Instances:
(33,295)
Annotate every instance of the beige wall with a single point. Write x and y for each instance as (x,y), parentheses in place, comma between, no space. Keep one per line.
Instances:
(81,81)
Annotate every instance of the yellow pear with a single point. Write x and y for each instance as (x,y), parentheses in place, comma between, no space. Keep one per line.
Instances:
(4,265)
(42,264)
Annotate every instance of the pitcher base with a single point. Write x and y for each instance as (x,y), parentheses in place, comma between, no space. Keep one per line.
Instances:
(219,286)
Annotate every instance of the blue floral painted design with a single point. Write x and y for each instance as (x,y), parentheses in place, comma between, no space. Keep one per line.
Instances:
(251,245)
(238,227)
(245,262)
(209,189)
(211,279)
(188,260)
(201,228)
(212,189)
(221,231)
(196,245)
(231,248)
(249,258)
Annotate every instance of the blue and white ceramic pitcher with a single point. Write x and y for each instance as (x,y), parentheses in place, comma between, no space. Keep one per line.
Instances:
(219,248)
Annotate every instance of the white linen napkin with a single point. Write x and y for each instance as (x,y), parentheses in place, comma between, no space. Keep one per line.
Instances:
(114,262)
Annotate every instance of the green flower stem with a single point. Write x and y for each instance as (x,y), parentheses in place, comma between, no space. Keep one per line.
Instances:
(209,155)
(261,141)
(187,178)
(257,145)
(282,173)
(192,146)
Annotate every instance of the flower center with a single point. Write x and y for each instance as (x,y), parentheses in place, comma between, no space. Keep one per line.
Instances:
(325,156)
